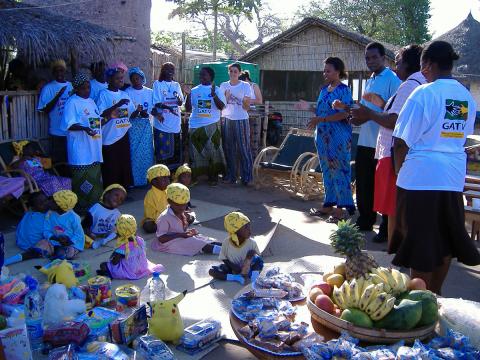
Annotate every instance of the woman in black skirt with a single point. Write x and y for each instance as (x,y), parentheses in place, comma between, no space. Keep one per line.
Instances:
(431,164)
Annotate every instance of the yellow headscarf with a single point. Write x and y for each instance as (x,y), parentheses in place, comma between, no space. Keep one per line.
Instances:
(65,199)
(184,169)
(111,187)
(126,229)
(157,171)
(234,222)
(178,193)
(58,63)
(18,146)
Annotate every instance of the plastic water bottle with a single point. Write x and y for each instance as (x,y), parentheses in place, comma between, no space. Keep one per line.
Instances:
(154,290)
(33,313)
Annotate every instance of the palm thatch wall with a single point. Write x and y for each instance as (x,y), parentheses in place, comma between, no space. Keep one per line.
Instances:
(40,36)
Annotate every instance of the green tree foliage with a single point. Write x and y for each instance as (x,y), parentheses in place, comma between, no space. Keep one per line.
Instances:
(398,22)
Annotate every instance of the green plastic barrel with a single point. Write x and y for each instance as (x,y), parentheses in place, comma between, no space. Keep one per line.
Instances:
(221,71)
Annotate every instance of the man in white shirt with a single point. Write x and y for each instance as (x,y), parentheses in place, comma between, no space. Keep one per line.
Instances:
(98,83)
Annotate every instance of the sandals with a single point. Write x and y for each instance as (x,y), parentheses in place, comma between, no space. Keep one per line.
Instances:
(339,216)
(319,212)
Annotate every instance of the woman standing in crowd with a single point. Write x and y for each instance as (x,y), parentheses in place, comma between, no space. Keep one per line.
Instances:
(255,117)
(141,140)
(98,82)
(430,160)
(116,108)
(52,101)
(84,142)
(333,141)
(235,126)
(167,98)
(205,103)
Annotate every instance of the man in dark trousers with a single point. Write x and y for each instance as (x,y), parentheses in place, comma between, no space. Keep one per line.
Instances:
(383,82)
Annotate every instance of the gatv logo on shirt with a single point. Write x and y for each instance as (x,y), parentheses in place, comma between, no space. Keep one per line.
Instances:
(456,115)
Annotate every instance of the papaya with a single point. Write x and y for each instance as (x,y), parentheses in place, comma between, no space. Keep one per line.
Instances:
(404,316)
(357,317)
(429,305)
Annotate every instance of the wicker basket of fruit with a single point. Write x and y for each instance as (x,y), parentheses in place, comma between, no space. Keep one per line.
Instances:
(372,303)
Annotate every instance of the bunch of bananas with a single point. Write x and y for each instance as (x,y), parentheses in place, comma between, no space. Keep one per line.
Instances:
(394,282)
(365,295)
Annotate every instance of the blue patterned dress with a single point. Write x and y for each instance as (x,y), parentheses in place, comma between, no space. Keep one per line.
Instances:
(333,140)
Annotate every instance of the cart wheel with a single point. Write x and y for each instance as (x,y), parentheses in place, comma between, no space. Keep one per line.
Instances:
(200,344)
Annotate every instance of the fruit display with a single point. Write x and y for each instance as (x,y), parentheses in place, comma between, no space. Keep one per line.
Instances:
(370,296)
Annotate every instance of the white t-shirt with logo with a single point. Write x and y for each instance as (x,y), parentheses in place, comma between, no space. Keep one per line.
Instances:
(142,97)
(165,92)
(56,115)
(95,88)
(234,109)
(115,128)
(103,220)
(204,110)
(82,148)
(434,123)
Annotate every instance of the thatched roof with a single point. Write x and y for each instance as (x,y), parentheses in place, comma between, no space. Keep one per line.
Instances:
(306,23)
(465,39)
(40,36)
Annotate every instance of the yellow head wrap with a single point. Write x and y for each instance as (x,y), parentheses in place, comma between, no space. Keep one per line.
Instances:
(18,146)
(58,63)
(157,171)
(111,187)
(126,229)
(234,222)
(178,193)
(184,169)
(65,199)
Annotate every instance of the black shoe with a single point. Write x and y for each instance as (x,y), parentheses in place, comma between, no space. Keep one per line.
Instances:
(364,227)
(380,238)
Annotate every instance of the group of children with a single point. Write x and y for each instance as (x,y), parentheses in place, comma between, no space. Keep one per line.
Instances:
(51,229)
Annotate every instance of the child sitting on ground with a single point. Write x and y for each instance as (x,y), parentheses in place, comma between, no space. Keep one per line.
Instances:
(155,201)
(240,254)
(183,175)
(100,220)
(30,163)
(63,227)
(173,235)
(129,260)
(29,234)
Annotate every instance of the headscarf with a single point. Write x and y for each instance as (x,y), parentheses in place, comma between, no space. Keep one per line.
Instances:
(58,63)
(126,229)
(112,187)
(18,146)
(178,193)
(65,199)
(157,171)
(110,72)
(119,65)
(184,169)
(234,222)
(136,70)
(79,79)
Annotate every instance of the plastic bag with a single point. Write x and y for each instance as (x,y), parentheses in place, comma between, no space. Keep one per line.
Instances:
(63,353)
(102,351)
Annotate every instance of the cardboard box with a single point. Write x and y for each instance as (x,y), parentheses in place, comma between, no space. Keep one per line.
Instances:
(14,344)
(129,326)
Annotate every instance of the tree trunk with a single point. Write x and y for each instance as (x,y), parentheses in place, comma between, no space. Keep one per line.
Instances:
(215,29)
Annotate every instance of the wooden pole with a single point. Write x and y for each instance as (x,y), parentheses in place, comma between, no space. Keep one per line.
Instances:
(184,57)
(215,29)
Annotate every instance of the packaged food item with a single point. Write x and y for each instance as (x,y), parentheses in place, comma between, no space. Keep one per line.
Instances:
(127,297)
(97,321)
(63,353)
(14,342)
(266,293)
(151,348)
(129,326)
(275,279)
(98,350)
(100,288)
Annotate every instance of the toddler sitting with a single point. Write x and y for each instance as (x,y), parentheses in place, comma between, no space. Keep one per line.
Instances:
(155,201)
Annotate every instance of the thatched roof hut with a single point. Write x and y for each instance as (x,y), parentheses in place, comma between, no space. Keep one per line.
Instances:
(465,39)
(40,36)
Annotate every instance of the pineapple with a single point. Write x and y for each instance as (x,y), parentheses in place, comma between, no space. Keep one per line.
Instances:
(347,240)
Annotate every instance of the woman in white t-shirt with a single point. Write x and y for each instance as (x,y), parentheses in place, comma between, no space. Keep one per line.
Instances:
(141,137)
(116,109)
(167,98)
(430,160)
(82,124)
(235,126)
(205,103)
(98,82)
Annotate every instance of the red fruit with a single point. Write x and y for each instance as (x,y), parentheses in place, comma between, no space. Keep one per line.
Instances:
(325,303)
(314,292)
(326,288)
(417,284)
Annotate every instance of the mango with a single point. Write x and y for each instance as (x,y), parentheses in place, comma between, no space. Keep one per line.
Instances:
(429,306)
(404,316)
(335,280)
(325,276)
(357,317)
(339,269)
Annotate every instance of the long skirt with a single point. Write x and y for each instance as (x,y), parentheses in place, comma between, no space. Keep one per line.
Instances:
(236,145)
(206,153)
(116,167)
(168,147)
(87,184)
(431,226)
(141,149)
(333,142)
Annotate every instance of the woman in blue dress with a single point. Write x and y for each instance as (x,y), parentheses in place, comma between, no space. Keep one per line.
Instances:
(333,140)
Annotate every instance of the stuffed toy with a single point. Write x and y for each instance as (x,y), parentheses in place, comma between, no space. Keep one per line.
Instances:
(166,323)
(59,272)
(58,308)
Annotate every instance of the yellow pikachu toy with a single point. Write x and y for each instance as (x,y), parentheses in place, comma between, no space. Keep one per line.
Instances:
(166,323)
(60,273)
